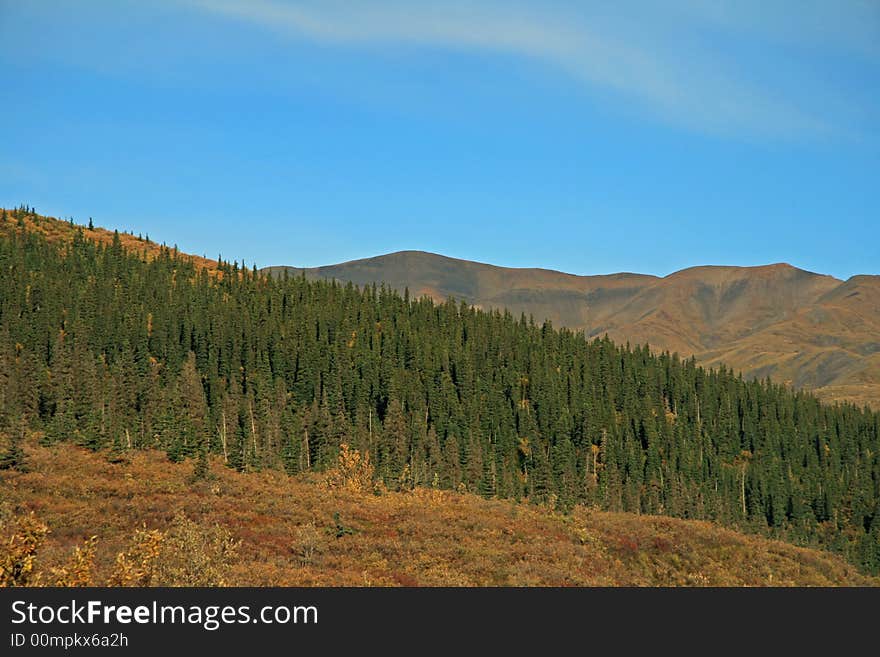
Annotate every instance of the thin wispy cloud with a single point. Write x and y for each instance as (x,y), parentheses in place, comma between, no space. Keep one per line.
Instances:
(841,25)
(660,62)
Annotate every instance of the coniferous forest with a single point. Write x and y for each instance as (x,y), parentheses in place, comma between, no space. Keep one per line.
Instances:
(106,348)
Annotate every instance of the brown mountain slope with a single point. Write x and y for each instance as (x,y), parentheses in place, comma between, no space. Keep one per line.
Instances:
(289,528)
(808,330)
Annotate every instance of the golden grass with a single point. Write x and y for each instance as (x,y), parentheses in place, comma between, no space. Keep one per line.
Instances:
(299,531)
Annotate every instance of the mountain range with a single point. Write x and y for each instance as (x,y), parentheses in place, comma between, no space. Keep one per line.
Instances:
(807,330)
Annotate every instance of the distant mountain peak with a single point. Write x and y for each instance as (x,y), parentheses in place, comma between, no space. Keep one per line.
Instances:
(809,329)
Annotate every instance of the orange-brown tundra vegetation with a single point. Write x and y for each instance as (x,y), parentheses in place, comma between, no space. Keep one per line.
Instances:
(57,230)
(77,517)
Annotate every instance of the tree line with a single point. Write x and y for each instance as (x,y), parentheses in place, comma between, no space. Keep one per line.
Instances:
(107,348)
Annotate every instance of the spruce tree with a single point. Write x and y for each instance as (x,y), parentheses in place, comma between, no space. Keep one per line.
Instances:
(201,468)
(13,458)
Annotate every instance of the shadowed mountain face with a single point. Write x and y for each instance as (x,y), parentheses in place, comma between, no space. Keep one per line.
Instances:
(808,330)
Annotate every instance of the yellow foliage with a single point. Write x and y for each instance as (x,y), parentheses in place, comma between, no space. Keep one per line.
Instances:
(19,551)
(353,471)
(194,554)
(405,480)
(135,566)
(187,554)
(429,497)
(309,541)
(78,571)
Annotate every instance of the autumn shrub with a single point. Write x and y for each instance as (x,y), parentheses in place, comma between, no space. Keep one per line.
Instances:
(429,497)
(79,568)
(629,546)
(186,554)
(661,544)
(24,535)
(309,541)
(194,554)
(136,565)
(353,471)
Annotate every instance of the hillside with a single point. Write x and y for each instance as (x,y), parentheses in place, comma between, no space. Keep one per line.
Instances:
(59,231)
(291,534)
(103,348)
(807,330)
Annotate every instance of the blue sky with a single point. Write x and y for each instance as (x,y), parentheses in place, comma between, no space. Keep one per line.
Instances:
(585,137)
